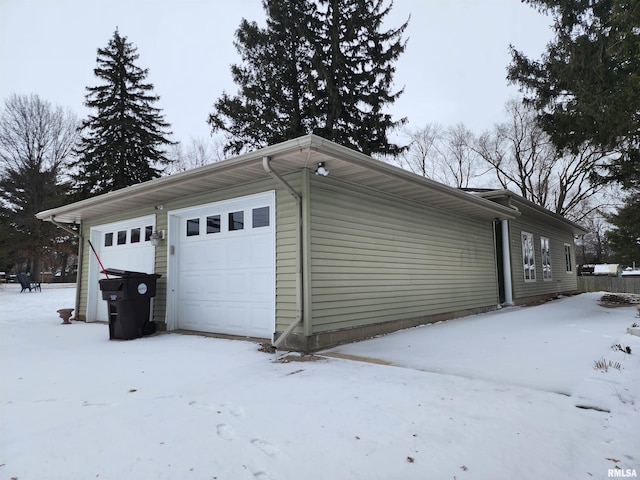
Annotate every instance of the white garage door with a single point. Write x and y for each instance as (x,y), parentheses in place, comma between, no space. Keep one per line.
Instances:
(225,266)
(123,245)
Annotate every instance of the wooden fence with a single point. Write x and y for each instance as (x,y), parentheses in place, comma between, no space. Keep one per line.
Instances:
(609,284)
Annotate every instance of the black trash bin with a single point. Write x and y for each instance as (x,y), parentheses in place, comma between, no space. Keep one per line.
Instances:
(128,296)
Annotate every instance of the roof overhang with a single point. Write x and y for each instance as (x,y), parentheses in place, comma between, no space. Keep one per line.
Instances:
(530,209)
(286,157)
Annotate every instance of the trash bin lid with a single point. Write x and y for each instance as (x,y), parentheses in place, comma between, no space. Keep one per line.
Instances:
(126,273)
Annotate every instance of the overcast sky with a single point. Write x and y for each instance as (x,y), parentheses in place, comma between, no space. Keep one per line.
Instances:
(453,70)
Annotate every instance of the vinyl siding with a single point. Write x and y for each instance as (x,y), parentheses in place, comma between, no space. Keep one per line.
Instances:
(160,300)
(286,224)
(377,258)
(560,281)
(84,272)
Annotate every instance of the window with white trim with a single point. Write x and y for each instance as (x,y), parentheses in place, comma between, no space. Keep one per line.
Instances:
(528,257)
(546,258)
(567,258)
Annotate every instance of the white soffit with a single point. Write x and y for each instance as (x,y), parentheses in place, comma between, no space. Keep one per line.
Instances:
(290,156)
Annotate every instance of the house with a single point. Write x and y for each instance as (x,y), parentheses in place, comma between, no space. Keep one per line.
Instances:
(309,244)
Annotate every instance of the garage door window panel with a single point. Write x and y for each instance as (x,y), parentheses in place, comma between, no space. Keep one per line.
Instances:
(108,239)
(135,235)
(148,231)
(260,217)
(122,237)
(213,224)
(236,221)
(193,227)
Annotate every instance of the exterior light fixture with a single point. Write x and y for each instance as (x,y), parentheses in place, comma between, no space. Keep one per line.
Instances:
(321,169)
(156,236)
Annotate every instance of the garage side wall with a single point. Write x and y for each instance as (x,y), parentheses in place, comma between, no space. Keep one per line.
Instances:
(377,258)
(561,281)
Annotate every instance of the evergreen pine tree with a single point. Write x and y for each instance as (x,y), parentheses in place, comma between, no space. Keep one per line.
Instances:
(321,67)
(122,143)
(624,239)
(355,59)
(586,86)
(273,102)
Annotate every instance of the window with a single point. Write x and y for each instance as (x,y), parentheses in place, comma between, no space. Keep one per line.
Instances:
(108,239)
(546,258)
(260,217)
(213,224)
(135,235)
(567,258)
(122,237)
(148,231)
(236,220)
(193,227)
(528,257)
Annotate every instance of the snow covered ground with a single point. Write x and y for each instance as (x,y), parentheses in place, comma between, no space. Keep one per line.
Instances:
(492,396)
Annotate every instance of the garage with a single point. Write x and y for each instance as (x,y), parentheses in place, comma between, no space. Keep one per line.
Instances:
(123,245)
(222,267)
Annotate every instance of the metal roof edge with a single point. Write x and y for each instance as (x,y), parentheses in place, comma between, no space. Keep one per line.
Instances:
(514,197)
(309,142)
(300,143)
(346,154)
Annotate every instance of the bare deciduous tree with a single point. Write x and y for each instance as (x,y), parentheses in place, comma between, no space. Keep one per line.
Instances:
(520,153)
(446,155)
(36,143)
(458,161)
(591,247)
(198,152)
(524,159)
(34,135)
(422,148)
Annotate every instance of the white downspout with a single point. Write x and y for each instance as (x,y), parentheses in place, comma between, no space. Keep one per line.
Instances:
(267,167)
(506,263)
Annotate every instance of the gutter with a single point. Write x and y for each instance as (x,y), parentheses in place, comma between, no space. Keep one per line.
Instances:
(519,204)
(298,318)
(357,158)
(165,184)
(52,219)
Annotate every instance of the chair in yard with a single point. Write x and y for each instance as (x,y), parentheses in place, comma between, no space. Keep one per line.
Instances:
(27,284)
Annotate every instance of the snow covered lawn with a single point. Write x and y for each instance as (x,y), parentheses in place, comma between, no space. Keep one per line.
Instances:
(492,396)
